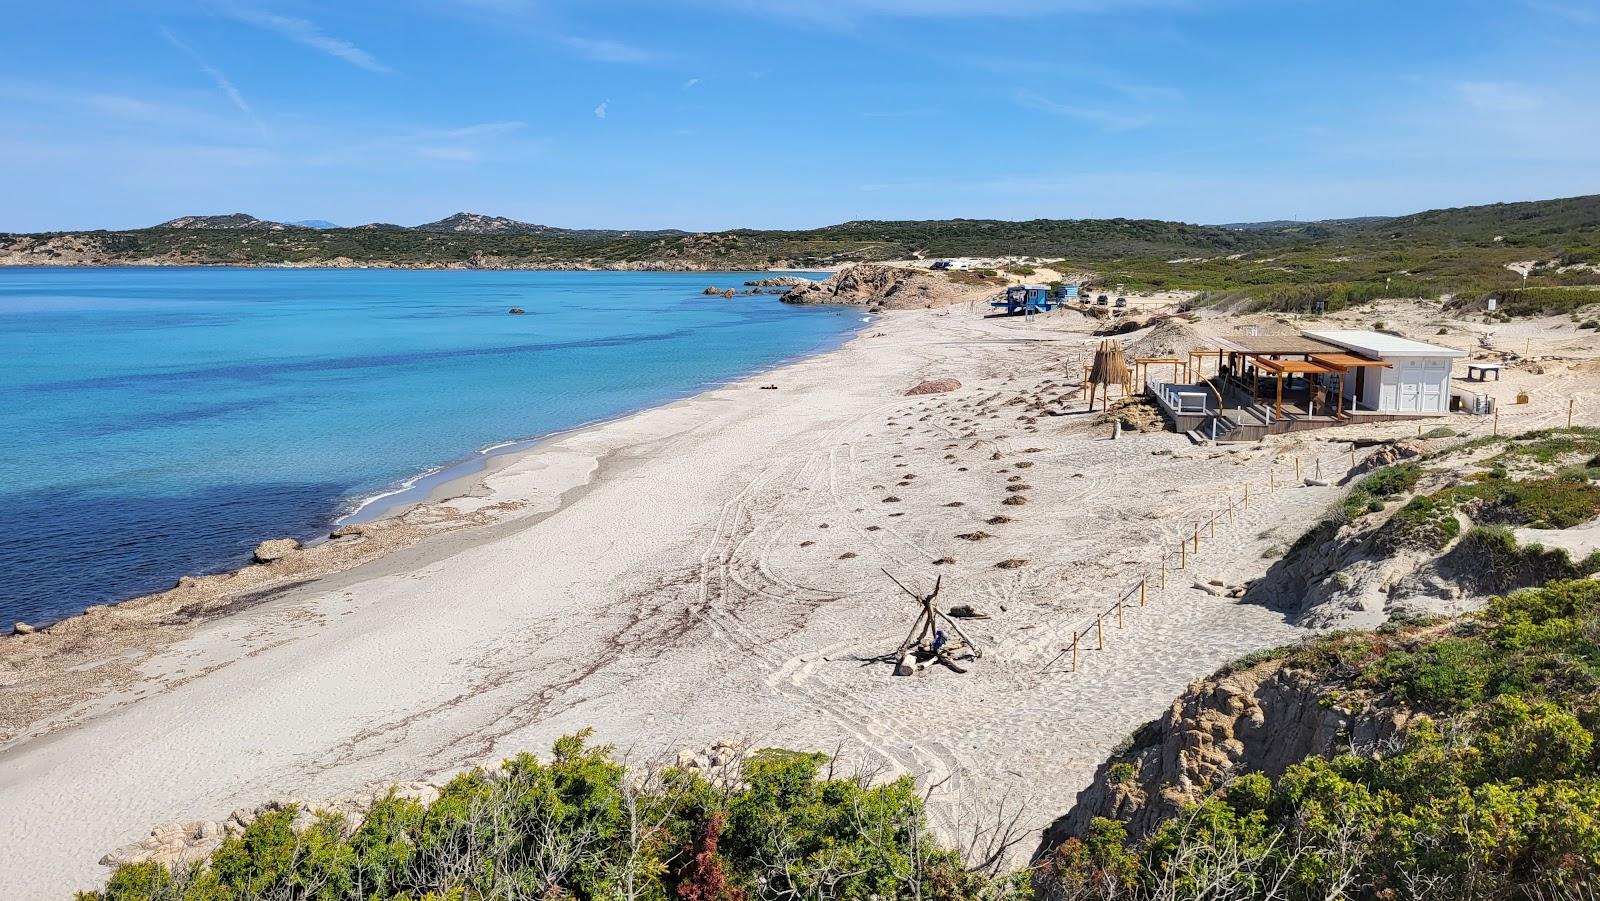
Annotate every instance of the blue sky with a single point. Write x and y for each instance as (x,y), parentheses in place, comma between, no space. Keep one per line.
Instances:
(712,114)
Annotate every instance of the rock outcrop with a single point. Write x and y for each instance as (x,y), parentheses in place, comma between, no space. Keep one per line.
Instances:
(274,549)
(934,386)
(1261,719)
(892,287)
(779,281)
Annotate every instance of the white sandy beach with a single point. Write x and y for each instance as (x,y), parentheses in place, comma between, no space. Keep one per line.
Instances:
(710,569)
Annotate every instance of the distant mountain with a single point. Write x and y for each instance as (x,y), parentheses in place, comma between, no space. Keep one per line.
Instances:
(230,221)
(383,226)
(479,224)
(313,223)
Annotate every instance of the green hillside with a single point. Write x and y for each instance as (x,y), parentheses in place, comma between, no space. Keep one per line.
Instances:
(1463,252)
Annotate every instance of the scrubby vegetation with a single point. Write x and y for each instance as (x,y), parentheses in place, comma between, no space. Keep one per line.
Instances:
(1463,253)
(584,827)
(1491,791)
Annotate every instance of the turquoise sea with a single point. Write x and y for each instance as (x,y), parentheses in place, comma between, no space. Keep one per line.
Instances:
(160,422)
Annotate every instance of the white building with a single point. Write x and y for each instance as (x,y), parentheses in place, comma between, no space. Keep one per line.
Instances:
(1415,379)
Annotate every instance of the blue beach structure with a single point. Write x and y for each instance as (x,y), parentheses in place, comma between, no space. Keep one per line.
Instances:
(1025,299)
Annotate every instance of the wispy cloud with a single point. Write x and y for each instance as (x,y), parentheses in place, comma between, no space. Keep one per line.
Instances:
(606,50)
(1498,97)
(309,34)
(1113,121)
(1578,14)
(600,111)
(690,83)
(221,81)
(463,144)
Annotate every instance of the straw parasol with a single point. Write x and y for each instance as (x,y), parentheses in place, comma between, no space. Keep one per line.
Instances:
(1110,368)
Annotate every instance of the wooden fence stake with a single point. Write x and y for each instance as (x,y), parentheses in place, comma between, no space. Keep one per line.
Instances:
(1074,652)
(1143,584)
(1213,525)
(1197,538)
(1247,494)
(1569,412)
(1297,469)
(1497,423)
(1100,631)
(1163,573)
(1352,455)
(1272,478)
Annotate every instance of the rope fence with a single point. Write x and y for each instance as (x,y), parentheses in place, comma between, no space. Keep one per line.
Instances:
(1226,511)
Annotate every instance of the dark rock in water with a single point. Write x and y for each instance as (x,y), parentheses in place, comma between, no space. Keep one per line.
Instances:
(728,293)
(516,311)
(713,290)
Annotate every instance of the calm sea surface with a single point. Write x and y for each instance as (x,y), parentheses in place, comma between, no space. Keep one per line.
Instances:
(160,422)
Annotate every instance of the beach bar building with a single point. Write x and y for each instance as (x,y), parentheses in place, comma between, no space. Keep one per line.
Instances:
(1267,384)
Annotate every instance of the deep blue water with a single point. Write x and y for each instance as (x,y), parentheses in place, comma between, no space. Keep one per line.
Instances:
(160,422)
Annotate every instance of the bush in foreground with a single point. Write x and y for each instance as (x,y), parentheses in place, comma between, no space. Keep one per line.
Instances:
(1492,792)
(583,826)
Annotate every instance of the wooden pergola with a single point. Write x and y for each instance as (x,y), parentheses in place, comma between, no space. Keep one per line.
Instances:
(1281,368)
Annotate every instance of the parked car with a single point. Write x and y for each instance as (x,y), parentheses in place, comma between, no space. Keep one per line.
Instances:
(940,265)
(1101,301)
(1122,302)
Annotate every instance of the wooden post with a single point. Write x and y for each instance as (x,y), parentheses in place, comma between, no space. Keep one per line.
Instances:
(1100,631)
(1297,468)
(1569,412)
(1230,508)
(1143,585)
(1272,478)
(1197,538)
(1247,495)
(1074,651)
(1163,572)
(1183,554)
(1497,421)
(1352,455)
(1213,525)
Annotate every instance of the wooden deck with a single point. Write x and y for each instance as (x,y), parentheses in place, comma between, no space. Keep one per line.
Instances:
(1193,409)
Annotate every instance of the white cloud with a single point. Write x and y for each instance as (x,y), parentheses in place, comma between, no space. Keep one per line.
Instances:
(605,50)
(1498,97)
(690,83)
(309,34)
(1113,121)
(221,80)
(600,111)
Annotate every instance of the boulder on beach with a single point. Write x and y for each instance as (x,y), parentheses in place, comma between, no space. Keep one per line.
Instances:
(891,287)
(22,628)
(275,549)
(934,386)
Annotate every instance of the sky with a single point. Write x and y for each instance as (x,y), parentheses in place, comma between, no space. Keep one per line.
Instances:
(713,114)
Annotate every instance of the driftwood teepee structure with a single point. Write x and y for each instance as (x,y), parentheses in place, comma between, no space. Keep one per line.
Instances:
(1110,368)
(927,641)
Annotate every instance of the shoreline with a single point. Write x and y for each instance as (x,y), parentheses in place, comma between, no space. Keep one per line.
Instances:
(467,477)
(436,484)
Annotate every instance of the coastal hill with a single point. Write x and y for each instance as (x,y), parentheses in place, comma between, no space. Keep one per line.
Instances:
(1465,252)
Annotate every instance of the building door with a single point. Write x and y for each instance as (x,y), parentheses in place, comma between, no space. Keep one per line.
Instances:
(1411,378)
(1436,376)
